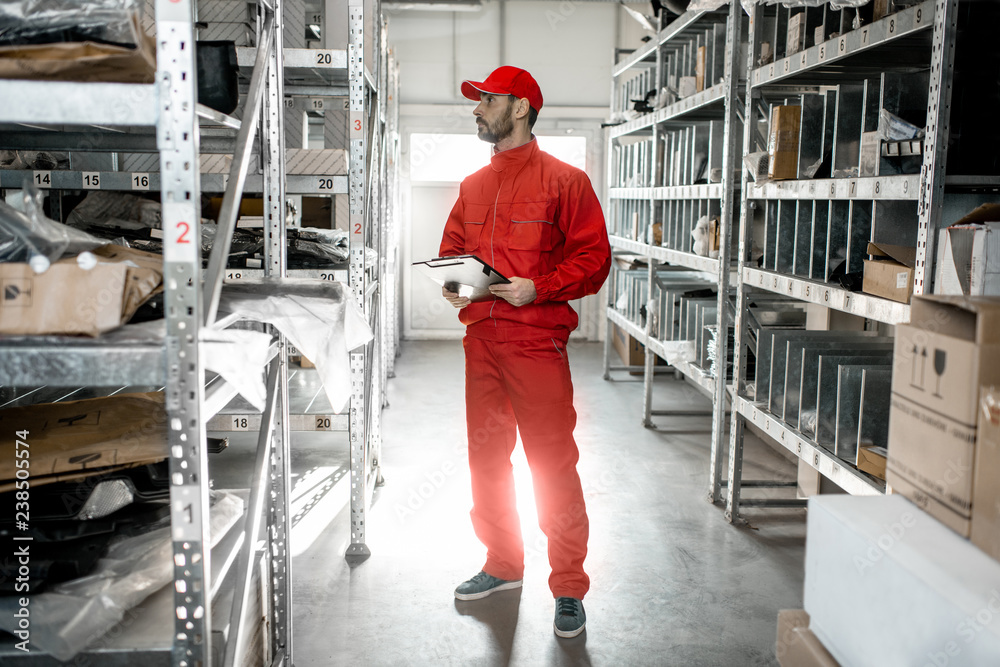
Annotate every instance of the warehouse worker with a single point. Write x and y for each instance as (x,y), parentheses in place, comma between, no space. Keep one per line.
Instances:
(537,221)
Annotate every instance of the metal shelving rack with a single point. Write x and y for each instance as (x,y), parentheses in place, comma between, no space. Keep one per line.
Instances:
(177,622)
(655,173)
(839,51)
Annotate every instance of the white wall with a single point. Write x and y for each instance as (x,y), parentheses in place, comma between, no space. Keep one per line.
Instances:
(568,47)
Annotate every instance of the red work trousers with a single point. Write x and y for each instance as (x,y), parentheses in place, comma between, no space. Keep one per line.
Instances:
(525,386)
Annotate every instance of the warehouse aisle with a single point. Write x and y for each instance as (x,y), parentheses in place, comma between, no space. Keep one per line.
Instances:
(672,582)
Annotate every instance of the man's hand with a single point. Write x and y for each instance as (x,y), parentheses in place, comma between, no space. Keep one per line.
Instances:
(519,292)
(454,299)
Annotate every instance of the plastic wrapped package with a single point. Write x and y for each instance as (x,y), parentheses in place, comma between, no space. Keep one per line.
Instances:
(102,205)
(41,160)
(54,21)
(325,244)
(31,237)
(834,4)
(318,317)
(67,618)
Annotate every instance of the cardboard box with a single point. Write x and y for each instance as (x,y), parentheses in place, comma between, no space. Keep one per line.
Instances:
(783,142)
(890,273)
(699,69)
(80,437)
(797,646)
(796,39)
(969,254)
(950,347)
(629,349)
(67,299)
(82,61)
(882,8)
(985,532)
(885,584)
(872,460)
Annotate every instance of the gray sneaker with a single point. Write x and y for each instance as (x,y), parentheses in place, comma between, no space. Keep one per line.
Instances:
(482,585)
(571,619)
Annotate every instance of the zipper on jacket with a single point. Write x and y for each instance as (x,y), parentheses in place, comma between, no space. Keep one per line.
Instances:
(493,258)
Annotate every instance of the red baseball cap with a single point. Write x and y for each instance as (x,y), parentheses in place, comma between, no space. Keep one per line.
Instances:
(506,80)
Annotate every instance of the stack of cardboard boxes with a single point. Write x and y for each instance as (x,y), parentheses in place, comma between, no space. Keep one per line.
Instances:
(944,459)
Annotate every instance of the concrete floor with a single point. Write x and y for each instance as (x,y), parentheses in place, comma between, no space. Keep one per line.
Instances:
(672,582)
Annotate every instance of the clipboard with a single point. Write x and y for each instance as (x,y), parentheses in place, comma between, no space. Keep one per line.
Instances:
(466,275)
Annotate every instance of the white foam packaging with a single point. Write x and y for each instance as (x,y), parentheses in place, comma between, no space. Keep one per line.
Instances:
(887,584)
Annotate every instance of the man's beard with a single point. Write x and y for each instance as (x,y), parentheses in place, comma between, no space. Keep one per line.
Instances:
(501,129)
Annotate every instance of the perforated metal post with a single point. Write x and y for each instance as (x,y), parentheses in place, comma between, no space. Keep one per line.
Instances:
(729,160)
(735,477)
(932,172)
(652,303)
(356,133)
(272,135)
(177,140)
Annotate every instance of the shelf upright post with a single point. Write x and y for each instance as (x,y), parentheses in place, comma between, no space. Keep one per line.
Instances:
(932,173)
(610,204)
(653,313)
(389,288)
(272,134)
(357,185)
(730,160)
(735,477)
(177,140)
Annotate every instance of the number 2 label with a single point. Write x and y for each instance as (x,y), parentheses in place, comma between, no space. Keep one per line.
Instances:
(183,228)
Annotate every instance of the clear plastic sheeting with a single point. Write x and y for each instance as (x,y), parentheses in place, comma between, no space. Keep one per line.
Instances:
(239,357)
(31,237)
(706,5)
(319,317)
(71,615)
(678,352)
(54,21)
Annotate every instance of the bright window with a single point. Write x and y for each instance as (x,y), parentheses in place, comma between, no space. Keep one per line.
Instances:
(452,157)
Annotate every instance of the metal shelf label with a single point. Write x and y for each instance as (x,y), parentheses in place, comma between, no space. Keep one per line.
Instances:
(42,179)
(91,180)
(848,478)
(862,39)
(856,303)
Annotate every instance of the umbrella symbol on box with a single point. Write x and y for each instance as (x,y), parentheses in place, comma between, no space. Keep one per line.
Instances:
(919,357)
(940,358)
(17,291)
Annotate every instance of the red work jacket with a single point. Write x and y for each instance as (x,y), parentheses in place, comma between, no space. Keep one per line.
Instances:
(530,215)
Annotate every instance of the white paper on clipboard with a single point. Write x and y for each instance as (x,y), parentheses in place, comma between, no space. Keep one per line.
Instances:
(466,275)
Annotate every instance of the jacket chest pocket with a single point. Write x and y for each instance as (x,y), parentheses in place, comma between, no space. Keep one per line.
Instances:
(475,221)
(532,227)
